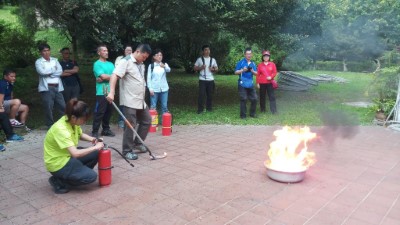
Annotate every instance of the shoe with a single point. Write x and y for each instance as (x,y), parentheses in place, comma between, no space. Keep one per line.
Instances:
(199,112)
(141,148)
(58,186)
(253,116)
(121,124)
(2,148)
(107,133)
(14,138)
(131,156)
(15,123)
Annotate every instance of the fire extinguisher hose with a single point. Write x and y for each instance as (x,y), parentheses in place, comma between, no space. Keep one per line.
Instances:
(152,157)
(122,155)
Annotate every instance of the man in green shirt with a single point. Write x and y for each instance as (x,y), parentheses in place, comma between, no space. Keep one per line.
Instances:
(102,70)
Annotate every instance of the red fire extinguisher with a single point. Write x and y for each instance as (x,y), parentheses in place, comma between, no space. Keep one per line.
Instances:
(104,166)
(154,120)
(166,124)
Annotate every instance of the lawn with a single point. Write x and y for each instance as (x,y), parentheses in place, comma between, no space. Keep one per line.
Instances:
(295,108)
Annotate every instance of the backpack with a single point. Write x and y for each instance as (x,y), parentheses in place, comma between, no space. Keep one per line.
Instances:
(204,62)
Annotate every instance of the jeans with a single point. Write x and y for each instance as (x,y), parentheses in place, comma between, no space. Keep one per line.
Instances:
(78,171)
(102,114)
(244,94)
(141,121)
(49,99)
(267,89)
(163,96)
(70,92)
(206,89)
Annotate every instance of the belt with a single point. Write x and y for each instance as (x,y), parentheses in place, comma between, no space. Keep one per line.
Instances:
(53,85)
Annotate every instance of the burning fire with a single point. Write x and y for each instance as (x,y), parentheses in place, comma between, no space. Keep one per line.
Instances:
(288,153)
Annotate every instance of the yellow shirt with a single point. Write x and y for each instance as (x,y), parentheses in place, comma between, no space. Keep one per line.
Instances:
(58,138)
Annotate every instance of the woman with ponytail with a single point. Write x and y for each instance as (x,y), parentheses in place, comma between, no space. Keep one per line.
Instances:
(69,165)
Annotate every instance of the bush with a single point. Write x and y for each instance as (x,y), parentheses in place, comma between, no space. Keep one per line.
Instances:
(17,46)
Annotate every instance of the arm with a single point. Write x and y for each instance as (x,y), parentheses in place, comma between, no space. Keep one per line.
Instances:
(167,68)
(113,83)
(149,86)
(58,70)
(77,153)
(72,71)
(1,103)
(40,70)
(197,66)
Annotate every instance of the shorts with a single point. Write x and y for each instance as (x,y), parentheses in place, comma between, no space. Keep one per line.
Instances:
(7,107)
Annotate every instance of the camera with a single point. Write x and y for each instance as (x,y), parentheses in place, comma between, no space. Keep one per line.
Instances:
(249,68)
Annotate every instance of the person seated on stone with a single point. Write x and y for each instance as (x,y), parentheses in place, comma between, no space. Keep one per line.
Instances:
(12,106)
(8,130)
(68,165)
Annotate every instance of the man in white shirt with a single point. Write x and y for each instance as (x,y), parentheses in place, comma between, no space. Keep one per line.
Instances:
(206,67)
(50,85)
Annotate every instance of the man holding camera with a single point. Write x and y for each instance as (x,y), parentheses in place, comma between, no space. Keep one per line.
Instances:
(246,68)
(206,67)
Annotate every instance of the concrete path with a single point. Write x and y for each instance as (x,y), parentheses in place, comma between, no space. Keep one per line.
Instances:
(214,175)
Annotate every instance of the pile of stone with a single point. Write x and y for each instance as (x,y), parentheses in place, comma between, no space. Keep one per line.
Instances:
(291,81)
(329,78)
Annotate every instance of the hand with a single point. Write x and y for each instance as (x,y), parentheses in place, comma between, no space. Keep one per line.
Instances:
(151,92)
(203,66)
(258,86)
(99,80)
(269,78)
(162,65)
(110,97)
(99,145)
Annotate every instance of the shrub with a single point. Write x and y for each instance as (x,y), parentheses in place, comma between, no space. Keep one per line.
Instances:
(17,46)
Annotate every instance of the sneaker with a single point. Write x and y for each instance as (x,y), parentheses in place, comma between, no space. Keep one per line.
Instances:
(121,124)
(107,133)
(14,138)
(141,148)
(58,186)
(15,123)
(2,148)
(131,156)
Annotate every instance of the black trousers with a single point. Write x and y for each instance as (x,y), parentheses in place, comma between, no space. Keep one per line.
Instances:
(267,89)
(102,114)
(206,89)
(78,171)
(5,124)
(250,94)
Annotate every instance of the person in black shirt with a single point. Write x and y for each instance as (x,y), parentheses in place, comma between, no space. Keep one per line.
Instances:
(70,77)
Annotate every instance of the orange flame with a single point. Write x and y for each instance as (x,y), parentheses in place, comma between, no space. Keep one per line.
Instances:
(284,153)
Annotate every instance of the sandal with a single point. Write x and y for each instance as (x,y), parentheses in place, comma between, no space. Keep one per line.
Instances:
(131,156)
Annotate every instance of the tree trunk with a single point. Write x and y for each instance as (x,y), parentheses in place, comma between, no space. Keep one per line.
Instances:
(378,65)
(75,48)
(344,65)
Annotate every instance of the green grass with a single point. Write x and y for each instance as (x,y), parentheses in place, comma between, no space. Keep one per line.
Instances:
(6,15)
(54,39)
(295,108)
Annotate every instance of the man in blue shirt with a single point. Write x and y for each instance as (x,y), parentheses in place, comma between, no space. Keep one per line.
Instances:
(12,106)
(246,69)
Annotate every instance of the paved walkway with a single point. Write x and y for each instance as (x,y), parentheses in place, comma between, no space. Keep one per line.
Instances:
(214,175)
